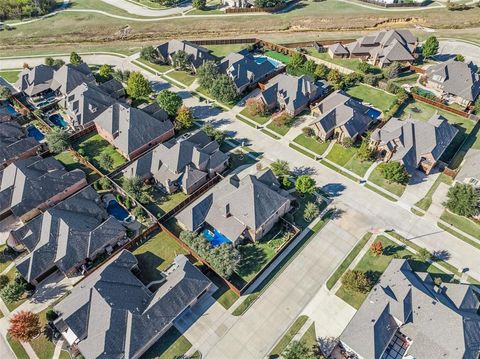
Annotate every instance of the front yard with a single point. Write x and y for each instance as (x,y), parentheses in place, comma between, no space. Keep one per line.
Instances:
(464,224)
(376,97)
(426,201)
(260,119)
(170,345)
(93,146)
(158,67)
(183,77)
(377,177)
(43,345)
(10,75)
(348,159)
(312,144)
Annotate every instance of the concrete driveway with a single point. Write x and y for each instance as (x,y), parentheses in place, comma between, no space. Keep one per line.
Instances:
(449,48)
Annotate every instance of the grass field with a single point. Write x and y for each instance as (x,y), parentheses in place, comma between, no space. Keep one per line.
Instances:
(158,67)
(288,336)
(94,146)
(348,159)
(351,64)
(10,76)
(466,225)
(281,130)
(43,346)
(378,98)
(170,345)
(312,144)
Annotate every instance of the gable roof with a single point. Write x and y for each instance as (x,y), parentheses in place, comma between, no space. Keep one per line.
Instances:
(457,78)
(409,302)
(27,183)
(36,80)
(66,234)
(338,49)
(70,76)
(130,127)
(198,55)
(14,141)
(113,314)
(411,140)
(470,167)
(339,109)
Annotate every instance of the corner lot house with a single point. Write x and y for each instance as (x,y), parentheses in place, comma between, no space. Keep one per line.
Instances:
(380,48)
(197,55)
(292,94)
(416,144)
(15,144)
(407,316)
(238,208)
(181,164)
(112,314)
(30,186)
(34,81)
(65,236)
(245,70)
(341,116)
(457,81)
(132,131)
(470,171)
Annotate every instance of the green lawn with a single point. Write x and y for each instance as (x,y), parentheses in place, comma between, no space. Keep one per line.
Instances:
(378,98)
(42,346)
(10,76)
(310,337)
(162,202)
(426,201)
(281,130)
(288,336)
(377,177)
(158,67)
(348,159)
(182,77)
(301,150)
(93,146)
(223,295)
(351,64)
(224,50)
(203,91)
(260,119)
(278,56)
(311,143)
(170,345)
(70,162)
(348,260)
(17,348)
(405,79)
(156,254)
(464,224)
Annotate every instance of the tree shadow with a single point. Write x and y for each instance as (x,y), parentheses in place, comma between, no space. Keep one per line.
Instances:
(391,250)
(333,189)
(304,171)
(253,259)
(442,254)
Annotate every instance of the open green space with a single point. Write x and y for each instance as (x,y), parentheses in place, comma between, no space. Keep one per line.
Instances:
(288,336)
(170,345)
(93,146)
(278,56)
(377,177)
(376,97)
(155,255)
(348,159)
(348,260)
(10,76)
(311,143)
(426,201)
(260,119)
(68,159)
(224,50)
(182,77)
(464,224)
(158,67)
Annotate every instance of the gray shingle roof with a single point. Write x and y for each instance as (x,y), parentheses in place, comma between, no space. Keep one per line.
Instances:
(412,139)
(130,127)
(66,235)
(198,55)
(456,78)
(470,167)
(25,184)
(36,80)
(442,323)
(114,315)
(14,141)
(69,76)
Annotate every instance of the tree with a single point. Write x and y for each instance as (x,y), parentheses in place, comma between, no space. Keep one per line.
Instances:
(106,161)
(216,134)
(334,77)
(394,172)
(347,142)
(181,60)
(138,86)
(223,89)
(357,281)
(463,199)
(377,248)
(170,102)
(297,61)
(430,47)
(311,211)
(104,183)
(105,71)
(298,350)
(199,4)
(321,71)
(280,168)
(49,61)
(267,3)
(423,255)
(255,106)
(365,67)
(75,58)
(184,118)
(305,184)
(57,140)
(58,63)
(365,152)
(392,70)
(24,326)
(5,92)
(308,131)
(12,292)
(3,281)
(149,53)
(139,213)
(459,57)
(133,186)
(477,106)
(51,315)
(207,73)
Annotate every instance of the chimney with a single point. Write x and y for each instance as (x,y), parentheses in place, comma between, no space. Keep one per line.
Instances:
(227,210)
(235,181)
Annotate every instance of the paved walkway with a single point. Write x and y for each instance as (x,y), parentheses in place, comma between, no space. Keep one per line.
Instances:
(371,169)
(139,10)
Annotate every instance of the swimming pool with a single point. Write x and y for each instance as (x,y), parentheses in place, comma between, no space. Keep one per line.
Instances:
(34,132)
(10,110)
(373,113)
(215,237)
(58,120)
(261,59)
(115,209)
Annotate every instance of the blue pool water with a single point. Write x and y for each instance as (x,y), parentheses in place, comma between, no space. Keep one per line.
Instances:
(58,120)
(9,109)
(115,209)
(261,59)
(34,132)
(373,113)
(215,237)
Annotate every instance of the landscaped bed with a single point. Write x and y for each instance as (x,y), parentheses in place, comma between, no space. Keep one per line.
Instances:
(93,146)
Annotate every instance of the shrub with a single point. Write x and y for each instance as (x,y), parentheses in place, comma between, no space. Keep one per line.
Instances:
(105,160)
(3,281)
(149,53)
(24,326)
(104,183)
(394,172)
(12,292)
(75,58)
(281,119)
(57,140)
(216,134)
(305,184)
(311,211)
(308,131)
(347,142)
(255,106)
(463,199)
(357,281)
(133,186)
(376,248)
(280,168)
(51,315)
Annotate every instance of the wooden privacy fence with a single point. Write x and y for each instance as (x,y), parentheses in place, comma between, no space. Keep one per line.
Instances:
(248,40)
(440,105)
(417,69)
